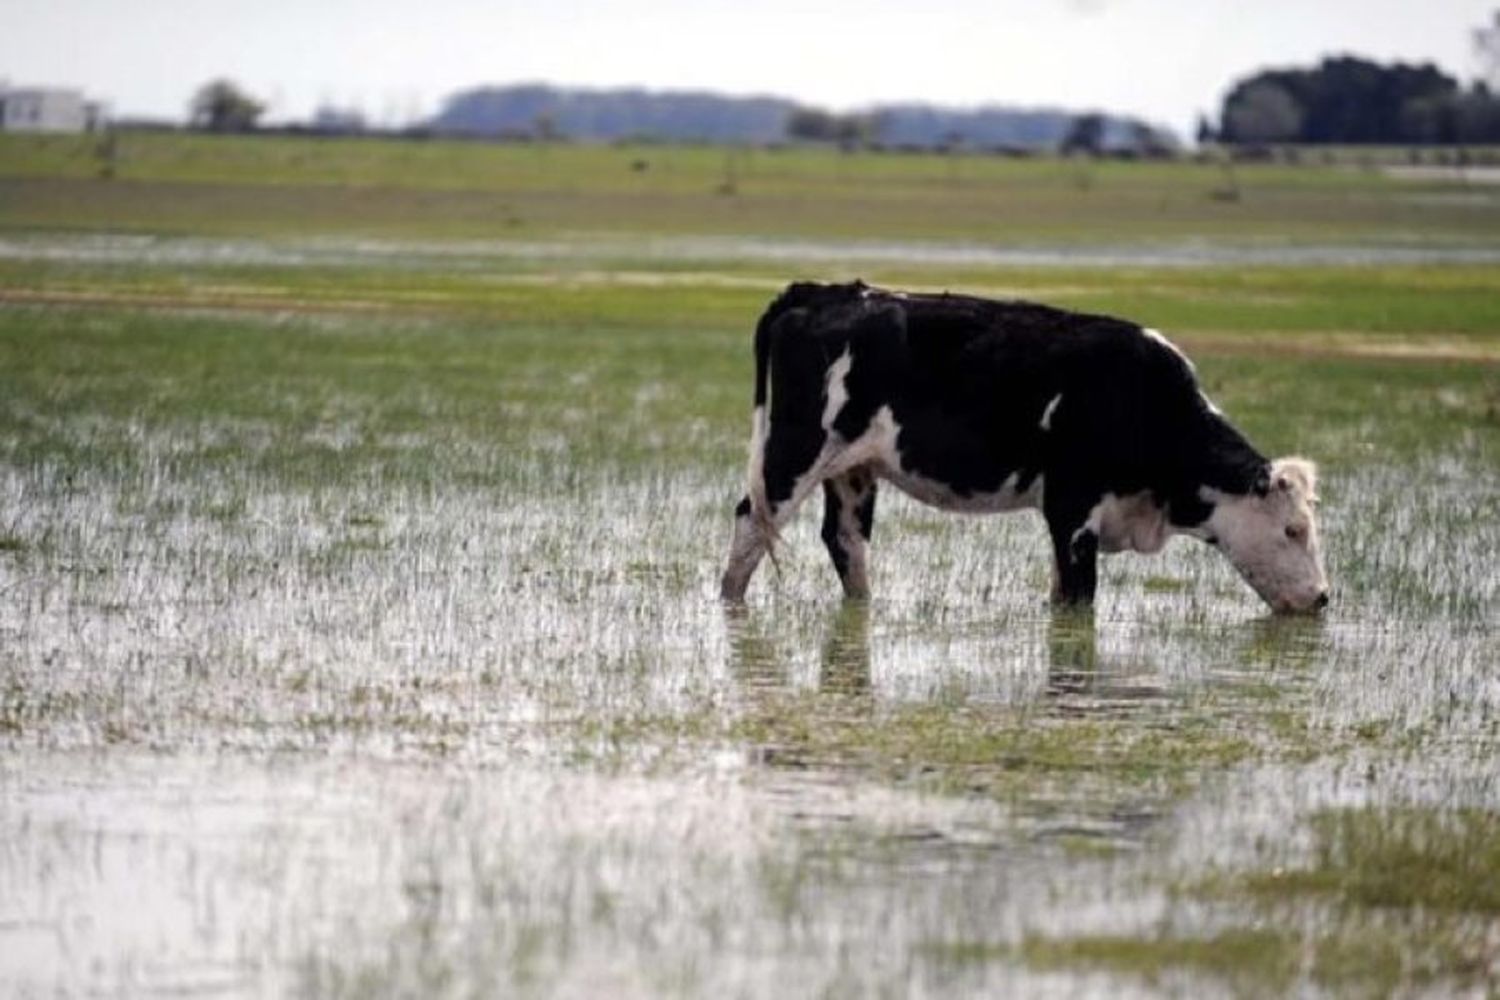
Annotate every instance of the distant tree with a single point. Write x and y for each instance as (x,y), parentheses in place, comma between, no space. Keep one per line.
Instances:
(1263,112)
(851,131)
(817,125)
(1343,99)
(1476,116)
(1205,133)
(619,114)
(221,106)
(812,125)
(1085,135)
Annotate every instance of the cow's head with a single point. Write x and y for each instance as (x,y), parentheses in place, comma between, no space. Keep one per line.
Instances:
(1271,535)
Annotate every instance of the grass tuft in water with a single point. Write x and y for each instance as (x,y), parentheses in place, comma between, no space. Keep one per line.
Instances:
(1266,958)
(1406,857)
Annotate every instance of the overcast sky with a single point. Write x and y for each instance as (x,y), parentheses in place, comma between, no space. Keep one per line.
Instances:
(395,59)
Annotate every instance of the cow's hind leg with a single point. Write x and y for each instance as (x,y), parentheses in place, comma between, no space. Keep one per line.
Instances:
(746,549)
(848,519)
(792,465)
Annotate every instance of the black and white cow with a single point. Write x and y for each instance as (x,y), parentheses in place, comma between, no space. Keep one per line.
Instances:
(976,405)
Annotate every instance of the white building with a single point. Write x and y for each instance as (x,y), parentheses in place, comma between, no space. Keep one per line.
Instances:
(47,109)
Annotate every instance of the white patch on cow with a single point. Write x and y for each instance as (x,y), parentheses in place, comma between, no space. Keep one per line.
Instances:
(1091,523)
(753,475)
(837,390)
(1156,335)
(1046,421)
(1006,497)
(1132,523)
(875,449)
(753,536)
(850,538)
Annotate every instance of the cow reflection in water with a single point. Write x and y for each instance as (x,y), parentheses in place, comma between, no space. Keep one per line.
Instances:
(844,666)
(844,662)
(1081,680)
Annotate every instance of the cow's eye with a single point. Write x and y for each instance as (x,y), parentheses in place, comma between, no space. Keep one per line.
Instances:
(1294,533)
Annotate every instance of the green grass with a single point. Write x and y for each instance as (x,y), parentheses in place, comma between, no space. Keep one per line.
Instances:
(264,184)
(1262,962)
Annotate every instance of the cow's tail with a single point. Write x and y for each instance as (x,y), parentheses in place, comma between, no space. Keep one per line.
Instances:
(760,432)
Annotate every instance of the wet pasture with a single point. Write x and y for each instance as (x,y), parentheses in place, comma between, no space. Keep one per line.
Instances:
(352,653)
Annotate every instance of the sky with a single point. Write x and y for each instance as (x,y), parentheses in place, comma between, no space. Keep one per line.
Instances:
(396,60)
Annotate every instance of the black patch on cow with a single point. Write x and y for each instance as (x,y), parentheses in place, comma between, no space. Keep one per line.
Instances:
(798,361)
(742,509)
(1025,477)
(1078,568)
(866,513)
(832,507)
(875,338)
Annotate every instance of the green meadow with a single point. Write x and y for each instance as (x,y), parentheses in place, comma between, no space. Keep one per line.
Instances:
(362,505)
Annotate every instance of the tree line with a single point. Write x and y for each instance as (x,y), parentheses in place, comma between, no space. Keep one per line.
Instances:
(1349,100)
(1341,100)
(539,111)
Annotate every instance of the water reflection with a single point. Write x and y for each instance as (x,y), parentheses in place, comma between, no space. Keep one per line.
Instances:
(1082,680)
(1296,639)
(1072,651)
(844,664)
(1068,661)
(753,661)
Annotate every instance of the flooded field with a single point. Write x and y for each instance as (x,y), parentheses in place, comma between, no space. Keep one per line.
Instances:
(378,653)
(362,506)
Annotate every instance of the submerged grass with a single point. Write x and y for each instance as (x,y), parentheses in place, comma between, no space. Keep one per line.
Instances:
(1435,860)
(958,749)
(1263,962)
(1392,900)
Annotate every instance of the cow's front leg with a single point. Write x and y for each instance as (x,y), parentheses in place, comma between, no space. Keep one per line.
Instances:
(848,520)
(1075,547)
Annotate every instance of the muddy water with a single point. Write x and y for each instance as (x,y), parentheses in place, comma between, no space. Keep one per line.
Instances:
(380,738)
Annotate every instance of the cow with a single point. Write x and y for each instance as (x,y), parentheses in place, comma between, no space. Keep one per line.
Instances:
(977,405)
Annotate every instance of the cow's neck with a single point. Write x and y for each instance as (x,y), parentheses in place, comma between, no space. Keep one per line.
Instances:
(1219,460)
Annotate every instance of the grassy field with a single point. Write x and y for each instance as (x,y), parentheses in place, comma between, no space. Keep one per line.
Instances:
(273,186)
(358,556)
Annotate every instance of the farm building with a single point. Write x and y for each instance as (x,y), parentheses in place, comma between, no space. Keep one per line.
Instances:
(47,109)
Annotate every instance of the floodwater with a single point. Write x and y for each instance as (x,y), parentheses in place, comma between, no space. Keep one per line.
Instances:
(461,255)
(394,738)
